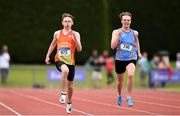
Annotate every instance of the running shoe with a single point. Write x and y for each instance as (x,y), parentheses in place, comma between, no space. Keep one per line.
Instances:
(119,100)
(62,98)
(69,108)
(130,101)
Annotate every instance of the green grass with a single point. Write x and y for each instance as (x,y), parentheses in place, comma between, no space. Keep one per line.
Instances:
(27,75)
(23,75)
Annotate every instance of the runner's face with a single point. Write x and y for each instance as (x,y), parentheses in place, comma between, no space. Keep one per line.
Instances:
(126,21)
(67,22)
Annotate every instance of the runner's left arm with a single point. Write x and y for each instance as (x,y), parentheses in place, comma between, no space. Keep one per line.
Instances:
(77,39)
(137,44)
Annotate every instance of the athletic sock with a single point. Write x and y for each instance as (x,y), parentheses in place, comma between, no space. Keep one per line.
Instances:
(69,102)
(128,97)
(63,93)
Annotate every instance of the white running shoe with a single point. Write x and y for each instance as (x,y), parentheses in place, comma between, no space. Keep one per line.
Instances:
(69,108)
(62,98)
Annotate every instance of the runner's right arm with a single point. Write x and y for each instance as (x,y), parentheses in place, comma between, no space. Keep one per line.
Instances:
(51,47)
(115,38)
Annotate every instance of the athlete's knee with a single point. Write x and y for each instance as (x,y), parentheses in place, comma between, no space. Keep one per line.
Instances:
(131,75)
(65,71)
(70,86)
(120,78)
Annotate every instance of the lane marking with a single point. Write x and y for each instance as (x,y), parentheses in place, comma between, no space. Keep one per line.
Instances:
(137,100)
(47,102)
(162,99)
(18,114)
(158,104)
(110,105)
(121,107)
(137,94)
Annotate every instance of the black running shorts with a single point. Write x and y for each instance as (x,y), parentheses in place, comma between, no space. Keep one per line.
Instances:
(71,70)
(120,66)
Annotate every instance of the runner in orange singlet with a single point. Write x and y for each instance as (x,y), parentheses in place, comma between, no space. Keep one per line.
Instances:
(66,40)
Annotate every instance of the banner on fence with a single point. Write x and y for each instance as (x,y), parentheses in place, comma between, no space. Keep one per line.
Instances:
(55,75)
(163,76)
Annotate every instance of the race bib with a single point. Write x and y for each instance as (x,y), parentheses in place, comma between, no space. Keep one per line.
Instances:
(64,52)
(126,47)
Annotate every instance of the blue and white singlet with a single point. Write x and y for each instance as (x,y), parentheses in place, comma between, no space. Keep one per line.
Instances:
(126,49)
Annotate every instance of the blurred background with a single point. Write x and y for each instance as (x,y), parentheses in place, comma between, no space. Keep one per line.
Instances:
(27,28)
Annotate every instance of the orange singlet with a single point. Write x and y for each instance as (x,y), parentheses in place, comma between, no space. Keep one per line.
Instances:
(65,48)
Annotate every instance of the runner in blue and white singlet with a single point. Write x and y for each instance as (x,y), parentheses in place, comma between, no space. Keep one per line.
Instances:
(126,42)
(126,49)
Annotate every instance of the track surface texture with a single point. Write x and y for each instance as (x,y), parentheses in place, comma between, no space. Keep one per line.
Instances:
(17,101)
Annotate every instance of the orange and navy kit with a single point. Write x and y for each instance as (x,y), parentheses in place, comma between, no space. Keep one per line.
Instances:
(65,48)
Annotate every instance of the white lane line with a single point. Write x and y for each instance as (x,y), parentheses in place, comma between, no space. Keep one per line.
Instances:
(121,107)
(110,105)
(145,102)
(162,99)
(47,102)
(142,95)
(158,104)
(10,109)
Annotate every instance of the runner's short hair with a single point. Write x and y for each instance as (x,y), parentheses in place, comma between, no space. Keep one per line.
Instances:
(124,13)
(67,15)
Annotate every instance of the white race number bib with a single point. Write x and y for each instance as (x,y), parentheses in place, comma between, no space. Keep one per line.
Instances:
(64,52)
(126,47)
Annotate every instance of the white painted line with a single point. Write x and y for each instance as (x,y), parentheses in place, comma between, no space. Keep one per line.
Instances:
(121,107)
(158,104)
(142,95)
(110,105)
(162,99)
(47,102)
(10,109)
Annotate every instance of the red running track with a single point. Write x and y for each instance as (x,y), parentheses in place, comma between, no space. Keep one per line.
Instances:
(16,101)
